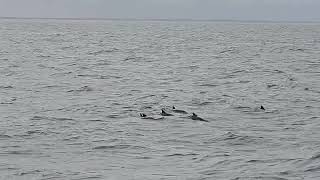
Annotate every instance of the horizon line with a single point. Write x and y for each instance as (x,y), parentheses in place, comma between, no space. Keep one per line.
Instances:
(156,19)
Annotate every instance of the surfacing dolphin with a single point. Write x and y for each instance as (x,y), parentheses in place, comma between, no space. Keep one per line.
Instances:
(195,117)
(259,109)
(178,111)
(163,113)
(144,116)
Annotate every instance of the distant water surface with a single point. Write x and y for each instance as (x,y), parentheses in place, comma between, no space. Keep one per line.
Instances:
(71,93)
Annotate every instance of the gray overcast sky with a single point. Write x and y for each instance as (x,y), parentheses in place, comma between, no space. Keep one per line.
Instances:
(276,10)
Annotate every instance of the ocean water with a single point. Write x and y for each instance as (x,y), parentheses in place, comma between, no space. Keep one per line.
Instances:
(71,93)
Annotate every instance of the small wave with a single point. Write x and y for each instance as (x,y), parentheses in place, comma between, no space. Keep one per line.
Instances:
(260,178)
(269,160)
(91,177)
(209,85)
(214,169)
(313,169)
(6,87)
(31,132)
(69,47)
(74,144)
(234,139)
(226,95)
(22,152)
(117,147)
(193,67)
(271,85)
(114,116)
(71,138)
(61,73)
(62,119)
(230,136)
(37,118)
(129,58)
(317,156)
(205,103)
(9,169)
(82,89)
(144,97)
(243,82)
(112,147)
(143,157)
(175,141)
(49,67)
(95,53)
(210,156)
(99,76)
(297,49)
(225,51)
(52,86)
(314,117)
(4,136)
(242,107)
(247,109)
(278,71)
(43,56)
(6,102)
(95,120)
(182,154)
(53,175)
(29,172)
(95,76)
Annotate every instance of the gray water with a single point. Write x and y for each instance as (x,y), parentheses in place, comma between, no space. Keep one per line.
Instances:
(71,93)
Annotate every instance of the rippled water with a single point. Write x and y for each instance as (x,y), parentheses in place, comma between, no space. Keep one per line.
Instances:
(71,93)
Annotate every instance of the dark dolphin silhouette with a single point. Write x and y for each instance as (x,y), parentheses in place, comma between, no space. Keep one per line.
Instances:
(178,111)
(197,118)
(144,116)
(163,113)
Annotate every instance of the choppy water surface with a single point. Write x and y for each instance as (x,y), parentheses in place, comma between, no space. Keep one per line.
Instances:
(71,93)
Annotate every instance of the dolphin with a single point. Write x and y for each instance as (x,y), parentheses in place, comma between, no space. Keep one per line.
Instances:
(197,118)
(178,111)
(144,116)
(163,113)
